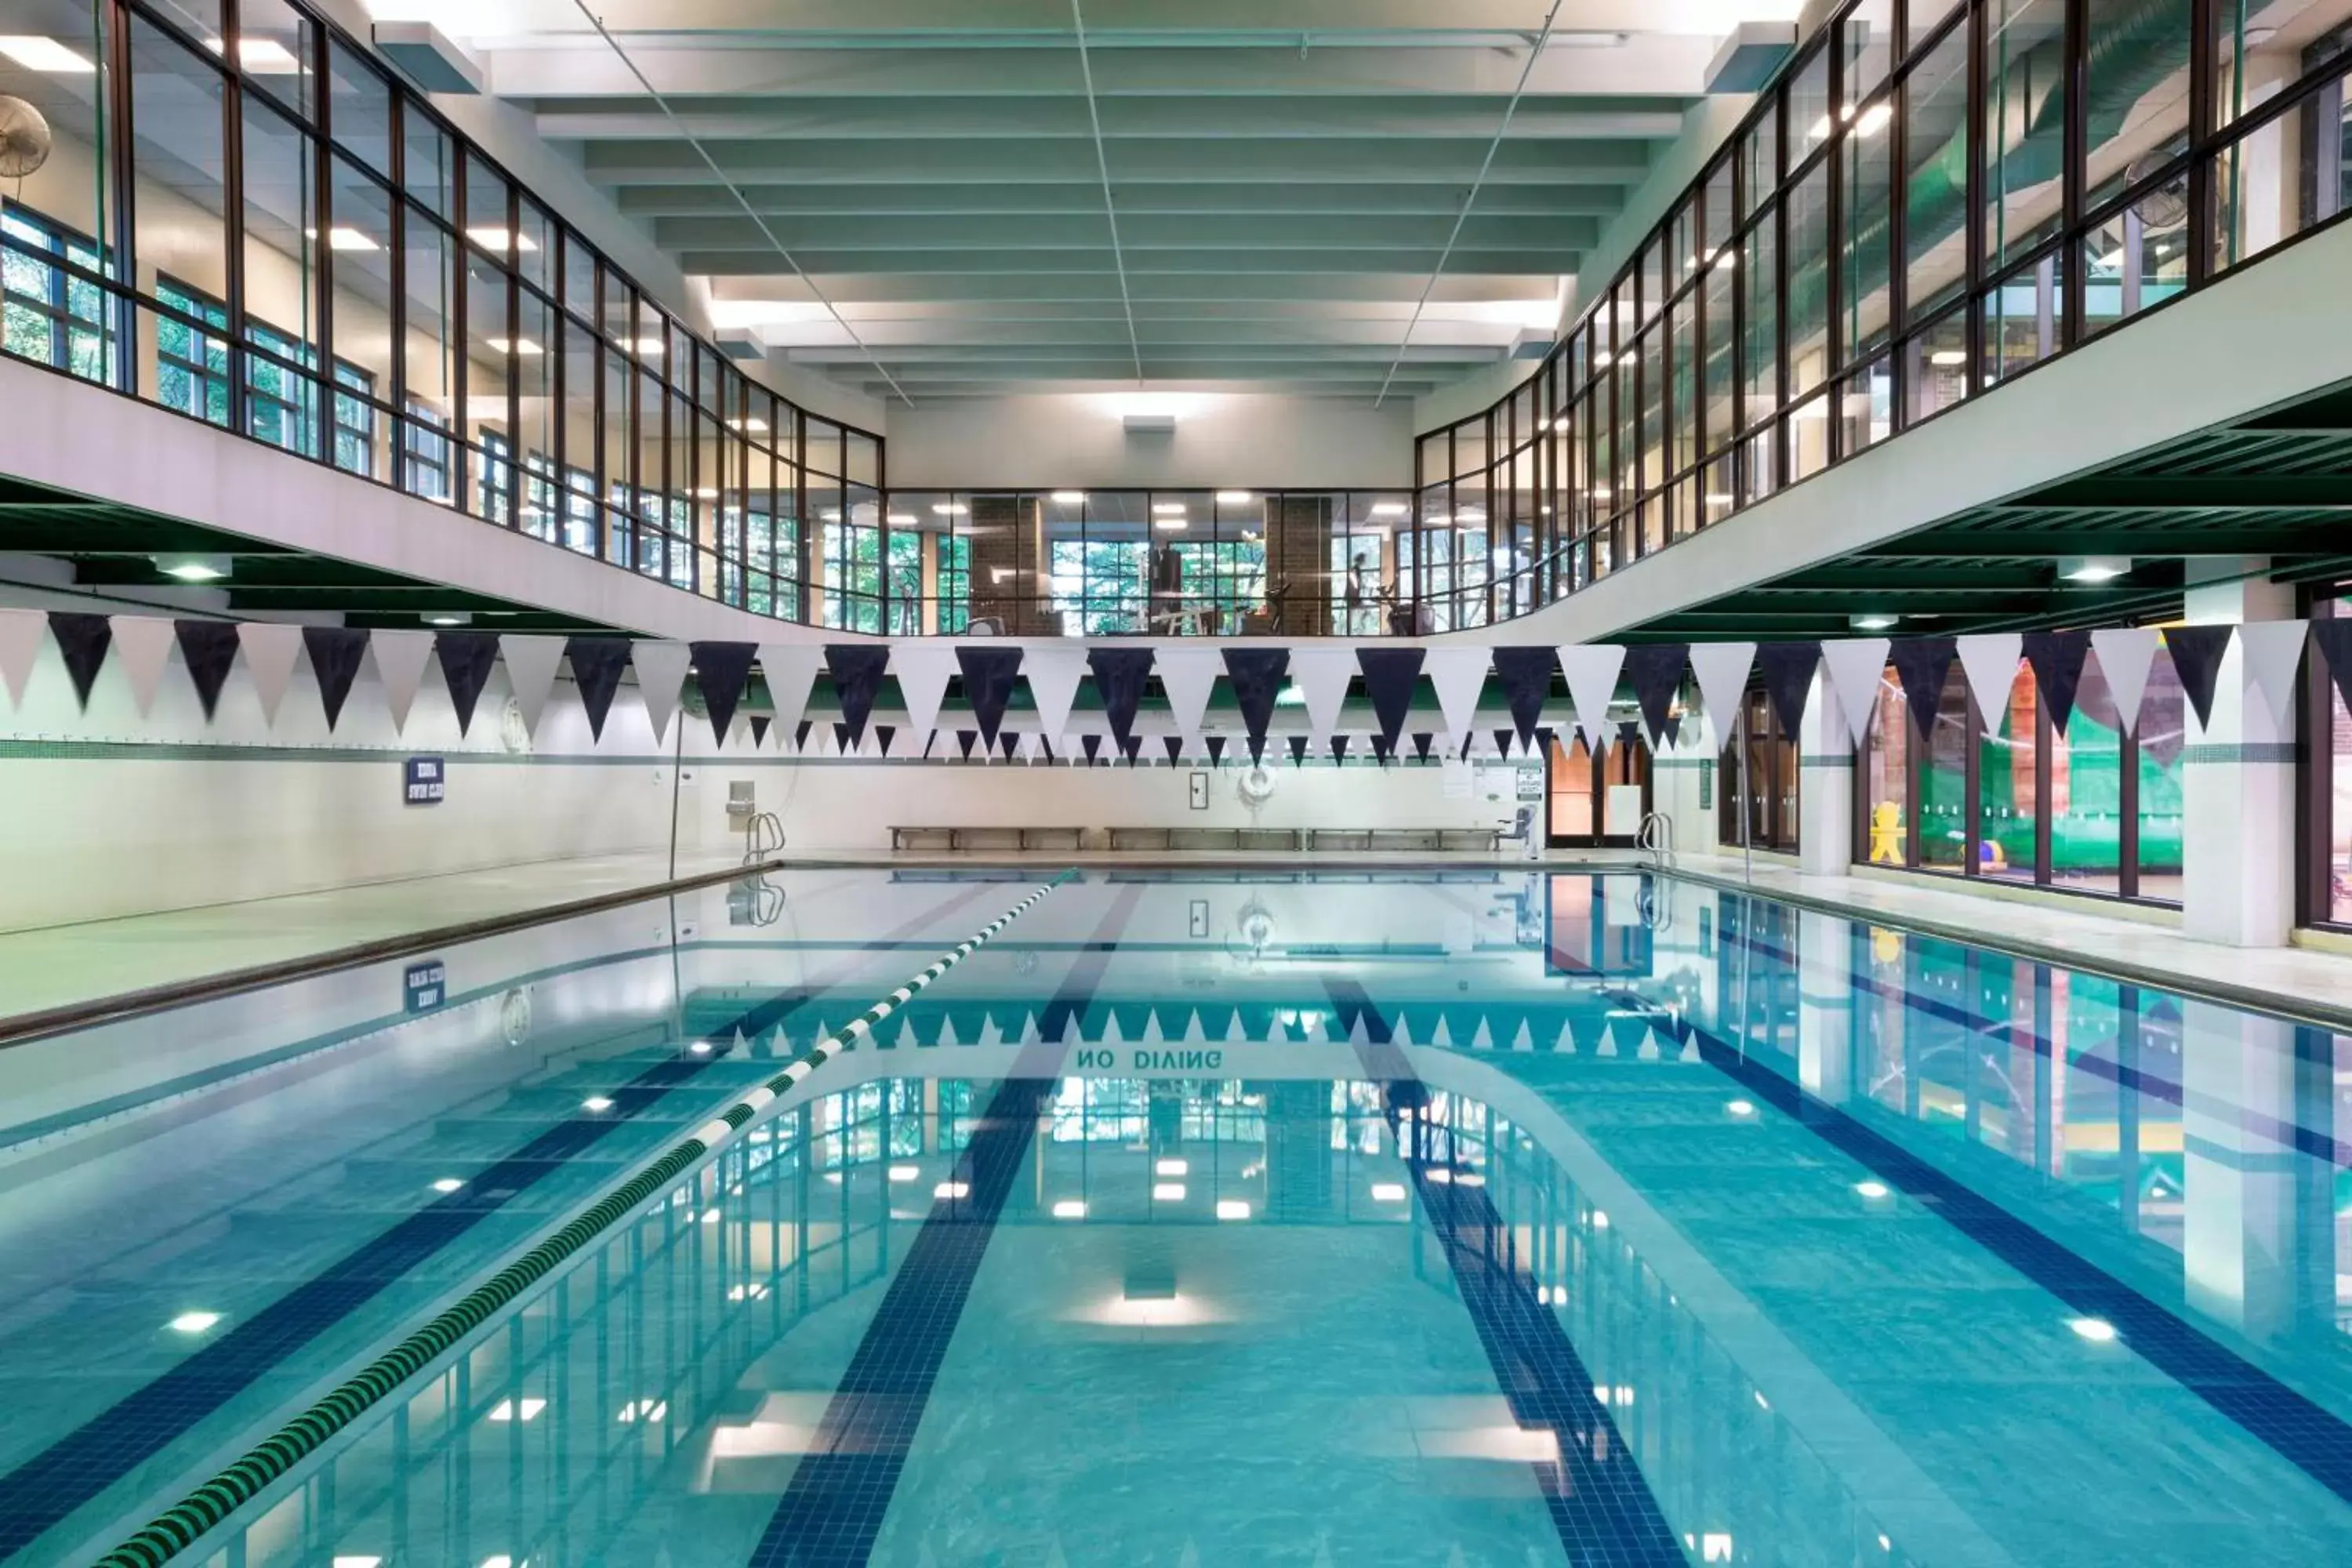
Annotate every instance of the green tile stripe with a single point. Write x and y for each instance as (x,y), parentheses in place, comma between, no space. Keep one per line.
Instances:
(206,1507)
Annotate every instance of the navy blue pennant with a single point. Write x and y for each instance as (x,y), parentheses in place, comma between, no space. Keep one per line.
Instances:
(1655,670)
(2334,635)
(964,741)
(466,660)
(721,669)
(1922,665)
(1526,677)
(2056,659)
(1338,749)
(1381,751)
(1093,743)
(1133,746)
(759,723)
(1175,744)
(1216,749)
(884,734)
(83,639)
(856,669)
(1120,674)
(1299,751)
(1390,676)
(1255,674)
(1787,669)
(1009,743)
(843,741)
(2197,653)
(989,672)
(335,654)
(1503,741)
(801,733)
(210,649)
(597,664)
(1422,740)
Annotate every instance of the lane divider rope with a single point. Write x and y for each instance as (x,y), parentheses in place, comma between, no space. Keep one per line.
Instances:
(205,1509)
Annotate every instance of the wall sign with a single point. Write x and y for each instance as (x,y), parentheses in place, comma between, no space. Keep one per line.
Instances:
(422,781)
(425,986)
(1200,792)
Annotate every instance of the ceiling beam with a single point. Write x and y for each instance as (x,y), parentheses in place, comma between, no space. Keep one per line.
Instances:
(1399,197)
(1190,121)
(1137,231)
(2152,540)
(2198,492)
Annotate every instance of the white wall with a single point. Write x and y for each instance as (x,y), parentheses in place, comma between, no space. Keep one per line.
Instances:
(1076,440)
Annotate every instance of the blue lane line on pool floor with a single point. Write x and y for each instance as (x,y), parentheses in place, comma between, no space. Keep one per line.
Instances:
(1599,1501)
(832,1513)
(2303,1432)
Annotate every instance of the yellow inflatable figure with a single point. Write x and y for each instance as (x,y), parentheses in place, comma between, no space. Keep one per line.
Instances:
(1885,834)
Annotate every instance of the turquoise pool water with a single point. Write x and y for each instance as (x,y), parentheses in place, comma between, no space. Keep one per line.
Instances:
(1478,1219)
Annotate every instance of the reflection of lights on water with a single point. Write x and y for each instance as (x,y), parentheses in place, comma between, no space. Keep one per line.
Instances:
(1171,1168)
(1741,1108)
(1176,1312)
(1069,1208)
(952,1190)
(1600,1220)
(1387,1192)
(2098,1331)
(517,1410)
(746,1292)
(1232,1208)
(1168,1191)
(643,1410)
(904,1172)
(1871,1189)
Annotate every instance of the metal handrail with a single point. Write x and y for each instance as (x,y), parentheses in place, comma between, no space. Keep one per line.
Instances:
(756,831)
(1656,835)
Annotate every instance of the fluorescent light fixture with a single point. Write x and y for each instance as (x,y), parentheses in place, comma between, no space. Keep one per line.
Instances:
(343,237)
(1873,120)
(904,1172)
(1601,359)
(1560,424)
(1235,497)
(344,1560)
(1871,1190)
(1469,1179)
(493,236)
(950,509)
(597,1103)
(1439,1174)
(195,1322)
(647,347)
(1168,1191)
(262,56)
(831,514)
(448,1185)
(1387,1192)
(2098,1331)
(451,618)
(833,1177)
(1597,495)
(1821,129)
(1069,1208)
(746,1292)
(521,347)
(1170,524)
(1069,498)
(1168,509)
(1741,1108)
(193,568)
(1171,1168)
(643,1410)
(903,520)
(754,424)
(2094,568)
(1719,497)
(1232,1208)
(1599,1219)
(1390,508)
(952,1190)
(1873,621)
(710,1217)
(706,493)
(500,1560)
(517,1409)
(1948,358)
(42,53)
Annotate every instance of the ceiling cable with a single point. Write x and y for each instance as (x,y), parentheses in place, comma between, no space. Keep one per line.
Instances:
(1110,207)
(744,202)
(1534,53)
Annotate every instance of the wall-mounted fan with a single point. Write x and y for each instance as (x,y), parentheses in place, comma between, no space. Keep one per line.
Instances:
(25,139)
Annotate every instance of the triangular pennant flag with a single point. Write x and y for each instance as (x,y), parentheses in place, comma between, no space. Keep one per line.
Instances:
(923,666)
(1592,670)
(661,676)
(2197,658)
(1655,670)
(143,645)
(1457,675)
(1989,659)
(83,639)
(270,651)
(1381,751)
(1008,741)
(1194,1033)
(1853,669)
(1422,740)
(801,733)
(1120,674)
(1132,746)
(1721,670)
(882,735)
(1923,665)
(1217,750)
(335,654)
(467,659)
(1503,742)
(841,741)
(531,663)
(1338,747)
(856,670)
(759,723)
(1257,675)
(209,650)
(1093,743)
(23,634)
(1189,676)
(2056,659)
(790,669)
(965,738)
(722,669)
(1390,676)
(1054,674)
(400,660)
(2274,653)
(2334,637)
(596,666)
(1298,744)
(1175,744)
(1787,669)
(1525,675)
(1321,674)
(988,676)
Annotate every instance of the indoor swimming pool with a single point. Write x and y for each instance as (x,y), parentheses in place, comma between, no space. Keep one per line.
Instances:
(1194,1218)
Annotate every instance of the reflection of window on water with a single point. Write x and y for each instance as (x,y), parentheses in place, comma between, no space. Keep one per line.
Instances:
(1098,1110)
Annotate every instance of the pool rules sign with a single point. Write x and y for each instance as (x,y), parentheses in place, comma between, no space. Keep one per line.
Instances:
(422,780)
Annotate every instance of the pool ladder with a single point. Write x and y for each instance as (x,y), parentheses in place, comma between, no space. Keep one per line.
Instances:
(1656,835)
(764,834)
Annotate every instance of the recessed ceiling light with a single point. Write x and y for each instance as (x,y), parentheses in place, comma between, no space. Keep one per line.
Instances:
(706,493)
(1171,1168)
(493,236)
(2094,568)
(1872,622)
(343,238)
(522,348)
(904,520)
(46,55)
(193,568)
(948,509)
(262,56)
(195,1322)
(1389,508)
(952,1190)
(1235,497)
(1170,524)
(343,1560)
(754,425)
(1947,358)
(1232,1208)
(1387,1192)
(450,618)
(1069,1208)
(1168,1191)
(1069,498)
(648,346)
(1168,509)
(1873,120)
(517,1409)
(904,1172)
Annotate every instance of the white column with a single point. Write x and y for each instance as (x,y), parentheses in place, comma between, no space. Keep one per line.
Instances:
(2238,1247)
(1825,788)
(1826,1005)
(2238,779)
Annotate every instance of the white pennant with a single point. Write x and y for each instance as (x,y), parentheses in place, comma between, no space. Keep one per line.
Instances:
(790,668)
(1721,670)
(1322,675)
(530,672)
(2125,654)
(1189,675)
(1457,675)
(661,674)
(270,651)
(1851,668)
(1990,661)
(400,659)
(2274,652)
(22,632)
(923,666)
(1054,675)
(1592,670)
(143,644)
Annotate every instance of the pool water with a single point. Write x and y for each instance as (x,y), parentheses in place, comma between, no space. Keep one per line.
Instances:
(1198,1219)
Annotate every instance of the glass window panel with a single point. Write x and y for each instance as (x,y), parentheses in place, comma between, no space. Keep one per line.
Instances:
(359,106)
(1922,17)
(1865,310)
(46,314)
(1937,370)
(1868,49)
(1935,180)
(176,108)
(2161,733)
(538,414)
(1886,777)
(2285,173)
(275,49)
(1808,436)
(486,224)
(535,246)
(2021,319)
(428,163)
(2087,791)
(2023,153)
(1865,409)
(281,227)
(821,443)
(192,357)
(2008,803)
(1808,108)
(1943,778)
(1717,391)
(493,347)
(1808,281)
(1760,327)
(1760,159)
(2138,257)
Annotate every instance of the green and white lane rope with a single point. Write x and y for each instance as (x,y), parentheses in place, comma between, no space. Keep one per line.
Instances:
(205,1509)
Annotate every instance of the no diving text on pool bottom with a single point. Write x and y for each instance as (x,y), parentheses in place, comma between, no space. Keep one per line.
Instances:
(1103,1059)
